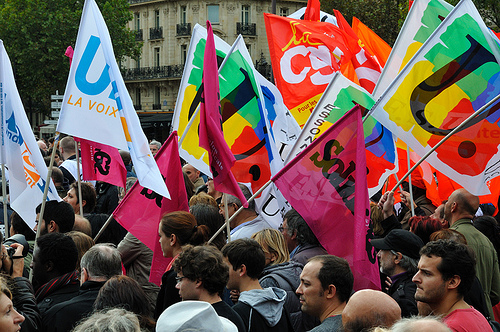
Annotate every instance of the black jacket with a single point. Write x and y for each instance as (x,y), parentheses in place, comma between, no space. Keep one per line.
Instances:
(168,294)
(23,299)
(403,291)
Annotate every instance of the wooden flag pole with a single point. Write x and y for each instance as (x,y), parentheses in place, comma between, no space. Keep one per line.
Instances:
(78,178)
(4,197)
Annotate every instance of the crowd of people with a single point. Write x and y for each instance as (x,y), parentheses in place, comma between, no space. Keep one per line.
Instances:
(439,269)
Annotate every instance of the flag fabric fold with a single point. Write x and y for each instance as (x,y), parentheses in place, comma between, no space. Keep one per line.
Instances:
(96,104)
(326,184)
(19,150)
(372,42)
(312,11)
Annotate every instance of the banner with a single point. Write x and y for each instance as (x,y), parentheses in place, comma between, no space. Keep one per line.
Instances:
(96,104)
(372,42)
(451,76)
(20,152)
(326,184)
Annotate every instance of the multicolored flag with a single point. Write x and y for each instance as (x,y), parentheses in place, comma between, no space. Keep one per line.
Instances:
(326,184)
(372,42)
(102,162)
(340,96)
(96,104)
(19,150)
(210,131)
(424,17)
(304,55)
(141,209)
(453,74)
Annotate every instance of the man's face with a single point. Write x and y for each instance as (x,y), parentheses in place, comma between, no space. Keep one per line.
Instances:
(231,209)
(154,149)
(311,293)
(431,287)
(234,276)
(43,229)
(191,172)
(39,273)
(447,208)
(187,288)
(289,242)
(386,262)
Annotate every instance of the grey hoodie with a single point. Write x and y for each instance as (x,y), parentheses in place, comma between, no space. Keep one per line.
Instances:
(268,302)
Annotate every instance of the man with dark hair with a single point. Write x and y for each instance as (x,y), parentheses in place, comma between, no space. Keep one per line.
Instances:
(398,254)
(325,286)
(202,275)
(55,279)
(459,210)
(260,309)
(58,179)
(300,239)
(98,264)
(445,274)
(88,200)
(57,217)
(247,222)
(127,161)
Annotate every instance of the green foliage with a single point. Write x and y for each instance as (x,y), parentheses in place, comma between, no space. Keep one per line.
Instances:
(36,34)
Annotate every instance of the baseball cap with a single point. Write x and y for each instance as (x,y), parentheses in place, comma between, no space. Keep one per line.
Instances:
(401,241)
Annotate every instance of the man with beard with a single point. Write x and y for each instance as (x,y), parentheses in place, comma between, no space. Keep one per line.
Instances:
(57,217)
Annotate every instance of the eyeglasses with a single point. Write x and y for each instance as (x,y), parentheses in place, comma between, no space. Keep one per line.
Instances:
(281,228)
(179,279)
(221,205)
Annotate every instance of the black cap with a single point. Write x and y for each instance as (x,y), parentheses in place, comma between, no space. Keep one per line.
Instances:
(401,241)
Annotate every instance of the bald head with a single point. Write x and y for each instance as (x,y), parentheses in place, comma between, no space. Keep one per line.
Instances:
(460,204)
(192,173)
(369,308)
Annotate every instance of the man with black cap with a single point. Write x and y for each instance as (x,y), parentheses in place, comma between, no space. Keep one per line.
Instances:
(398,255)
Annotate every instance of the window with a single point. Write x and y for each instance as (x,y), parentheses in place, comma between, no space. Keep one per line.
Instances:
(157,98)
(157,19)
(138,63)
(183,54)
(137,21)
(245,14)
(213,13)
(137,96)
(156,54)
(284,11)
(183,15)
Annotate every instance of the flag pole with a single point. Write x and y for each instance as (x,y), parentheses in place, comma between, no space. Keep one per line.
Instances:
(409,181)
(451,133)
(44,198)
(78,177)
(4,197)
(226,213)
(103,228)
(228,221)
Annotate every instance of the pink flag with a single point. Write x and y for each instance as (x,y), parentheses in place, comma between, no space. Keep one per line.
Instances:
(69,53)
(102,163)
(141,209)
(326,184)
(211,138)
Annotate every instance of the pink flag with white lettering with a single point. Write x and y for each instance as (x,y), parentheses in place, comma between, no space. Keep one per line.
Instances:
(141,209)
(326,184)
(102,162)
(211,138)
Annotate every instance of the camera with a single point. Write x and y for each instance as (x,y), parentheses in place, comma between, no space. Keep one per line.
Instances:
(17,238)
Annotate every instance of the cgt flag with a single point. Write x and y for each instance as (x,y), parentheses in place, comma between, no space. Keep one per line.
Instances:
(19,151)
(326,184)
(211,137)
(141,209)
(96,104)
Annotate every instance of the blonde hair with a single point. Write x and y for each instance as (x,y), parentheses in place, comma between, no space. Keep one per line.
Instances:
(275,241)
(203,198)
(83,243)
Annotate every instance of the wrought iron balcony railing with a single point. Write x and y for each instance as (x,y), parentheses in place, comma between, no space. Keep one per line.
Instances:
(157,106)
(148,73)
(156,33)
(184,29)
(246,29)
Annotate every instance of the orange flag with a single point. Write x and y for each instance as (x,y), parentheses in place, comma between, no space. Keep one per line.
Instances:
(373,43)
(312,11)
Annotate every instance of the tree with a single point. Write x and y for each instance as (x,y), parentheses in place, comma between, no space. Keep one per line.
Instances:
(36,34)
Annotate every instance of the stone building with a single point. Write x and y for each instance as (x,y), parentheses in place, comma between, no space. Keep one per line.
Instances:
(165,26)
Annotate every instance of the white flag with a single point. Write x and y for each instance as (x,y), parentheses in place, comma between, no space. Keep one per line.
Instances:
(19,150)
(96,104)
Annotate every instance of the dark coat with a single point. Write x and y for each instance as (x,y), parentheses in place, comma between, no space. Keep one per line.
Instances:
(60,295)
(403,291)
(307,251)
(23,299)
(168,294)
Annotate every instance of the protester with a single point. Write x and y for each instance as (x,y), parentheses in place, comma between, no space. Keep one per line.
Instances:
(110,320)
(10,319)
(193,175)
(19,226)
(127,161)
(217,195)
(107,198)
(83,243)
(69,165)
(418,323)
(58,179)
(57,217)
(154,147)
(325,286)
(424,226)
(422,206)
(209,215)
(88,200)
(82,225)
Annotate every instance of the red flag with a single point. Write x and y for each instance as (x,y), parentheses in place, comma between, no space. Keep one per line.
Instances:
(326,184)
(141,209)
(211,138)
(102,163)
(372,42)
(312,11)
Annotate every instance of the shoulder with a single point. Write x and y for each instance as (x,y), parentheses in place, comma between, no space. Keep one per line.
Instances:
(330,324)
(467,320)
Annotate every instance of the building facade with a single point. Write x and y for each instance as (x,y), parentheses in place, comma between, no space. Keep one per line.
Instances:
(165,26)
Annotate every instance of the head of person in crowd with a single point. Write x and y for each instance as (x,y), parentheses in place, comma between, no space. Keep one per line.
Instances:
(203,198)
(42,146)
(439,214)
(57,217)
(67,147)
(488,225)
(10,319)
(202,274)
(274,246)
(368,308)
(154,147)
(448,234)
(110,320)
(58,178)
(55,255)
(83,225)
(234,203)
(131,180)
(296,231)
(398,252)
(424,226)
(192,173)
(179,228)
(246,261)
(100,263)
(124,292)
(189,186)
(446,271)
(18,226)
(83,243)
(126,158)
(325,286)
(57,157)
(88,201)
(419,323)
(461,204)
(211,189)
(209,216)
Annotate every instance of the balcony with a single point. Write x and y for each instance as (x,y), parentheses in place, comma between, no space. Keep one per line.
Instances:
(138,107)
(138,35)
(156,106)
(184,29)
(246,29)
(156,33)
(151,73)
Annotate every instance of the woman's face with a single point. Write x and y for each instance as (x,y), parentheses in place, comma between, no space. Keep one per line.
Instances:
(72,200)
(165,243)
(10,319)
